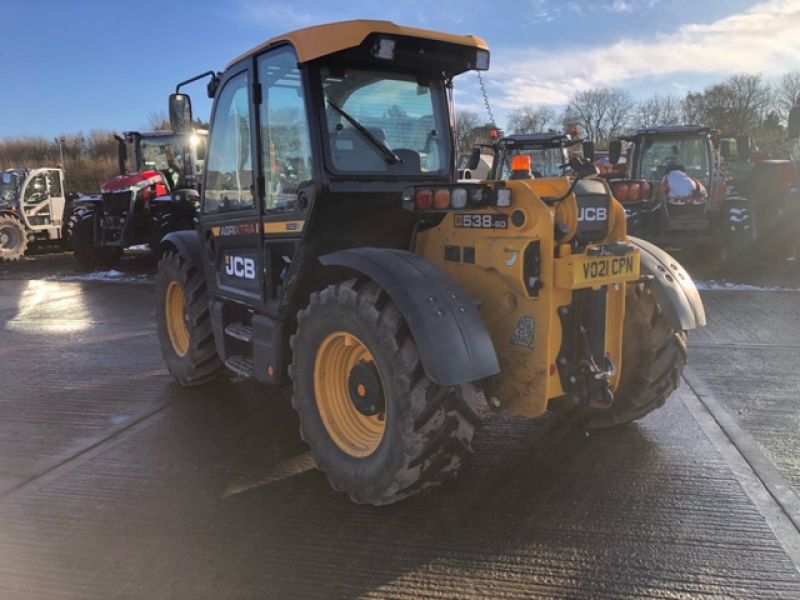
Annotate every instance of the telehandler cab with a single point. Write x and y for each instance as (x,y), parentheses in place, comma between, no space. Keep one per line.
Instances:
(33,208)
(335,248)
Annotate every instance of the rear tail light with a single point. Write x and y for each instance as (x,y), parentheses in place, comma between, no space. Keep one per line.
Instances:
(424,199)
(631,191)
(441,199)
(445,198)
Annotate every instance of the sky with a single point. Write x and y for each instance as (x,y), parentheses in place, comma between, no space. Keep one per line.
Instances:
(80,65)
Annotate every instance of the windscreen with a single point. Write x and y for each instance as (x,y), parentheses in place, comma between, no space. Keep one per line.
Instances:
(163,153)
(661,155)
(385,122)
(9,186)
(545,162)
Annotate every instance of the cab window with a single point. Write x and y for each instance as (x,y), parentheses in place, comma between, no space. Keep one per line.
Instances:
(229,172)
(286,144)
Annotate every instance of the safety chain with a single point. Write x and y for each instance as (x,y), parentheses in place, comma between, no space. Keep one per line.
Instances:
(486,101)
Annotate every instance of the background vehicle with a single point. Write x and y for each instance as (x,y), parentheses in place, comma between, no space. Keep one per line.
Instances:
(549,154)
(713,214)
(140,207)
(773,185)
(335,248)
(33,208)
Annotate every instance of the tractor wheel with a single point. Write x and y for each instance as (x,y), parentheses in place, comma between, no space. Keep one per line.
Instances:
(653,358)
(377,426)
(184,322)
(13,239)
(89,256)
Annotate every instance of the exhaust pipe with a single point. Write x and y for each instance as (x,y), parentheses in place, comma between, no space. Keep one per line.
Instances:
(123,154)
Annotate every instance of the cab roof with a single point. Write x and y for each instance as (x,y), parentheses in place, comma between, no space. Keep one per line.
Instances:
(544,139)
(321,40)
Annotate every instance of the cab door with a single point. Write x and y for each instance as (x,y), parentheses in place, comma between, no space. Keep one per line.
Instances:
(286,181)
(230,223)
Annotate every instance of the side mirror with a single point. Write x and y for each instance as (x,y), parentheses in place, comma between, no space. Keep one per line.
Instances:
(180,112)
(588,150)
(614,151)
(794,122)
(725,149)
(743,144)
(6,178)
(474,159)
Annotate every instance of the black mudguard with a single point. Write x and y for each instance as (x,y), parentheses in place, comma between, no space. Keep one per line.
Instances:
(453,343)
(673,287)
(187,243)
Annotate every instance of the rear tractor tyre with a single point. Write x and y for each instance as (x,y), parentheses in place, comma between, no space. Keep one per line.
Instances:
(89,256)
(184,322)
(653,357)
(377,426)
(13,239)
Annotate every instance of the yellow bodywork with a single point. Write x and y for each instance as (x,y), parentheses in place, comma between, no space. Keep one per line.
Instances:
(529,378)
(315,42)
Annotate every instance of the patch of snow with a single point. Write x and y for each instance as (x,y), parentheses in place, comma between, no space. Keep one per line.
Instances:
(725,286)
(113,275)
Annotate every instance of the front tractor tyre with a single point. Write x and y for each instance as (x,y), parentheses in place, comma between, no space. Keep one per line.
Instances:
(653,357)
(89,256)
(184,322)
(378,427)
(13,239)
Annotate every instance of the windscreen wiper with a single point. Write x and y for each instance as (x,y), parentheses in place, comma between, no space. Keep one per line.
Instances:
(391,157)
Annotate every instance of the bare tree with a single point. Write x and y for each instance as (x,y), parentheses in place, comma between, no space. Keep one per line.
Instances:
(658,110)
(157,120)
(787,93)
(530,119)
(601,112)
(739,104)
(470,131)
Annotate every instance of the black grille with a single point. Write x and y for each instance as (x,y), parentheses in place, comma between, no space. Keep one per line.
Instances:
(116,203)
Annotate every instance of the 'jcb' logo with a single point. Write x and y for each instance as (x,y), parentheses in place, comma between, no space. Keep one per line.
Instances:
(589,213)
(241,267)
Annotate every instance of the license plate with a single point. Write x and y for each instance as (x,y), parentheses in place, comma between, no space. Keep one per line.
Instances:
(603,269)
(594,270)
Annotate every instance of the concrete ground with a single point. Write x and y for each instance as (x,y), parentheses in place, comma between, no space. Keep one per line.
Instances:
(117,483)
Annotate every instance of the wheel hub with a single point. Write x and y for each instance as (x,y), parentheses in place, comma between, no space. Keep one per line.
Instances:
(349,394)
(366,391)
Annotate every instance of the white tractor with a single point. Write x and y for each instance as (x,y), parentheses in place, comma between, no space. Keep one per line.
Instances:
(33,208)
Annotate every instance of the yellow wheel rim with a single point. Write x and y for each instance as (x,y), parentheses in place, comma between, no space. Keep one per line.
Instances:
(177,319)
(355,433)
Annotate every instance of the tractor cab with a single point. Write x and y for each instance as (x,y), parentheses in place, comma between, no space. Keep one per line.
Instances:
(178,158)
(35,195)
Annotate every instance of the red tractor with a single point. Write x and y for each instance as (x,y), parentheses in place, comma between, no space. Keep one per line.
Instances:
(142,206)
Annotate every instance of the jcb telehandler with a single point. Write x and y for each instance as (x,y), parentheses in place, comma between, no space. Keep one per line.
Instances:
(335,249)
